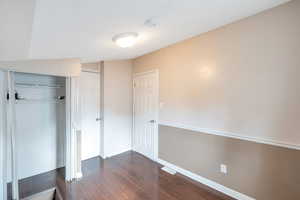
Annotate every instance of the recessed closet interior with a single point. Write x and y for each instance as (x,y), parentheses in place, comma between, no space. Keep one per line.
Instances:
(40,126)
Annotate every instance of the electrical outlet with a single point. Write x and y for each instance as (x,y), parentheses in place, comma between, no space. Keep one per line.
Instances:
(223,169)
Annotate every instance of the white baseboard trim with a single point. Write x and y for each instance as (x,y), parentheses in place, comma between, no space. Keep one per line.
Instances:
(168,170)
(231,135)
(205,181)
(78,175)
(117,153)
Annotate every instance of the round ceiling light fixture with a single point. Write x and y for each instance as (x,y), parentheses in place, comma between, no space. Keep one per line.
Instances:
(125,40)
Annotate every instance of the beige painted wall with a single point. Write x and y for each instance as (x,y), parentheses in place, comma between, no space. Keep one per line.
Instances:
(91,66)
(55,67)
(261,171)
(117,106)
(242,78)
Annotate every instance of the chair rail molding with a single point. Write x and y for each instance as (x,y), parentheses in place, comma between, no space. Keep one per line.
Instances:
(231,135)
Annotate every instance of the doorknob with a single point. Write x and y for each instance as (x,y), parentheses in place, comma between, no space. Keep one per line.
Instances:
(98,119)
(152,121)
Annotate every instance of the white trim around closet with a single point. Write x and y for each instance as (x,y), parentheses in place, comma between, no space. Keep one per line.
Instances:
(3,139)
(11,129)
(68,162)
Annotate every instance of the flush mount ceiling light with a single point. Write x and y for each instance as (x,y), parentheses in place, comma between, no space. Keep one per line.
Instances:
(125,39)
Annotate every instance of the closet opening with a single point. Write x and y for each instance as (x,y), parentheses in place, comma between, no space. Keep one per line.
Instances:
(39,136)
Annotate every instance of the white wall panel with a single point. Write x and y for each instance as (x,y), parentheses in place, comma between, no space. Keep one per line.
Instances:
(54,67)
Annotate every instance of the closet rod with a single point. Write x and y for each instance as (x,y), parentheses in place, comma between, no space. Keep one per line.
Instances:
(38,85)
(39,101)
(58,98)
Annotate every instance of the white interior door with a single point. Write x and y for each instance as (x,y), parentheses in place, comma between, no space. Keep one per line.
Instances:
(145,97)
(90,109)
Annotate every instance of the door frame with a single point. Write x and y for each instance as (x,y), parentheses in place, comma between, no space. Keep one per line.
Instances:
(3,136)
(73,130)
(7,135)
(11,131)
(156,138)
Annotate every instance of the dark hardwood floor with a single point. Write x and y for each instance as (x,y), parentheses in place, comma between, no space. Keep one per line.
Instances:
(128,176)
(38,183)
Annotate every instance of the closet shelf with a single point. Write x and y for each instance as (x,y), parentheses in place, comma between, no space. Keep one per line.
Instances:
(33,85)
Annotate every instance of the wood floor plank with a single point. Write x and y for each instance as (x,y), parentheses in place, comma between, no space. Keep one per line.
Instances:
(128,176)
(131,176)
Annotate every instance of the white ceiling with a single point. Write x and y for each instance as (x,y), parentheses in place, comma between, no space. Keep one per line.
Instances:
(84,28)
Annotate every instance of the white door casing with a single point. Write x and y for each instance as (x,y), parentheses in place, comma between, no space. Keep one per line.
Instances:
(90,106)
(73,129)
(145,114)
(3,137)
(12,134)
(76,119)
(7,135)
